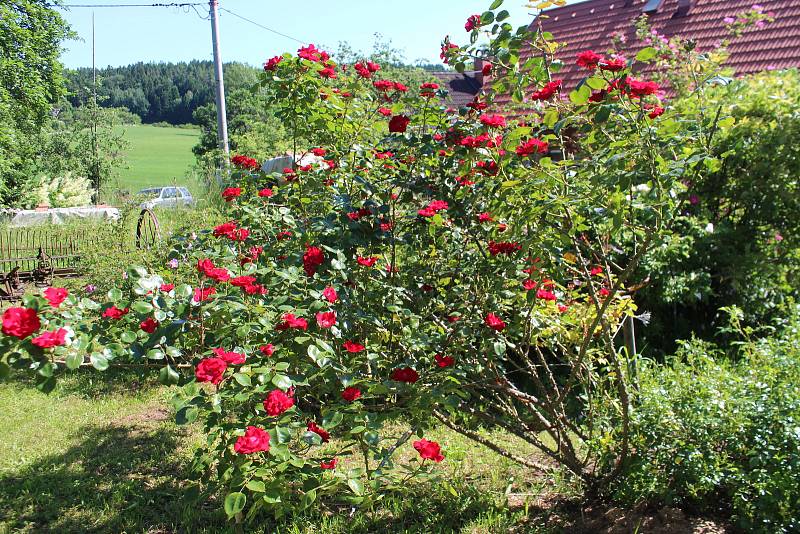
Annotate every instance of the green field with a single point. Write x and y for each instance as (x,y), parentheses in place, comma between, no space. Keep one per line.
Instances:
(157,156)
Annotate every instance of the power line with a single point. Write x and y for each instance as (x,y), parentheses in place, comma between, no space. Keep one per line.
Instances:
(173,4)
(262,26)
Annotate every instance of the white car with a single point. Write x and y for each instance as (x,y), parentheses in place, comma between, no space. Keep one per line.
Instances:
(165,197)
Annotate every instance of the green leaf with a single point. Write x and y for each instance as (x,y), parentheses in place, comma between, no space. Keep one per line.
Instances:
(115,295)
(186,415)
(234,503)
(596,82)
(496,4)
(128,336)
(257,486)
(155,354)
(580,96)
(168,376)
(99,361)
(142,307)
(646,54)
(309,498)
(282,381)
(503,15)
(242,379)
(74,360)
(356,485)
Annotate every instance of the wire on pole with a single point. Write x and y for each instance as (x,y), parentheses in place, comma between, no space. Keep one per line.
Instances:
(262,26)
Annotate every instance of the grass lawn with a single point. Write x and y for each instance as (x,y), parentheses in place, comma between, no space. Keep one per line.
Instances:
(101,454)
(157,156)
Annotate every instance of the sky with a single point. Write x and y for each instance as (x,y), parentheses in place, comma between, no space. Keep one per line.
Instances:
(127,35)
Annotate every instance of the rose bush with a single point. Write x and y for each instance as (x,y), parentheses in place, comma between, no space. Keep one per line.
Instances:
(421,263)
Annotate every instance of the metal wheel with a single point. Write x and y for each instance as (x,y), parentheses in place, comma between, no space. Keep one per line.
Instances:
(148,232)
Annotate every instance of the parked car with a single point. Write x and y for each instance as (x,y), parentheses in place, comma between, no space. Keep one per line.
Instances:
(165,197)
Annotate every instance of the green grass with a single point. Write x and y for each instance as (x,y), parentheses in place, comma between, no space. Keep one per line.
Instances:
(157,156)
(101,454)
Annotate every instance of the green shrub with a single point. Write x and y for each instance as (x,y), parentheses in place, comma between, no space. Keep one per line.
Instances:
(708,432)
(738,240)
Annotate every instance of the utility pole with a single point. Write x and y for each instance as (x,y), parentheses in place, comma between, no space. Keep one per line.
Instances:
(222,121)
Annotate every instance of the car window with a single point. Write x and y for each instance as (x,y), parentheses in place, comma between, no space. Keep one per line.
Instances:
(150,193)
(169,192)
(185,192)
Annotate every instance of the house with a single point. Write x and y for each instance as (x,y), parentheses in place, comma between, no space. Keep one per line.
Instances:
(591,25)
(462,87)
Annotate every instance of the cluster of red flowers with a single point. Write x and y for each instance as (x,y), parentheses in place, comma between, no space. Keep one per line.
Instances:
(359,214)
(427,89)
(366,69)
(590,60)
(532,146)
(503,247)
(433,207)
(312,259)
(312,53)
(547,92)
(231,193)
(388,85)
(207,268)
(230,230)
(493,121)
(112,312)
(289,320)
(245,162)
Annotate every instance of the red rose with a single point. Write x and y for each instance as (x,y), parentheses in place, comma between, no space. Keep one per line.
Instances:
(493,121)
(326,319)
(532,146)
(149,325)
(202,294)
(277,402)
(444,361)
(267,350)
(367,261)
(351,346)
(254,440)
(405,374)
(612,65)
(473,22)
(487,69)
(244,162)
(547,91)
(55,295)
(328,465)
(290,321)
(351,394)
(657,111)
(231,358)
(312,259)
(638,89)
(398,124)
(115,313)
(529,284)
(327,72)
(503,247)
(272,63)
(50,339)
(429,450)
(20,322)
(231,193)
(384,111)
(266,192)
(210,370)
(494,322)
(330,294)
(321,432)
(588,59)
(166,288)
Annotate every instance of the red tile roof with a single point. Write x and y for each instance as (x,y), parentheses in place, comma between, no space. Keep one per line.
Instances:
(588,26)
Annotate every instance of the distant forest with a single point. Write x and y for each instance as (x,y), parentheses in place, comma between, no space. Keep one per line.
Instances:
(161,92)
(156,92)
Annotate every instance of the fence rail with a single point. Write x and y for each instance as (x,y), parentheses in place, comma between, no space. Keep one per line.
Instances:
(20,247)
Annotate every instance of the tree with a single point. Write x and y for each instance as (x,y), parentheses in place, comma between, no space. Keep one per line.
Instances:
(31,33)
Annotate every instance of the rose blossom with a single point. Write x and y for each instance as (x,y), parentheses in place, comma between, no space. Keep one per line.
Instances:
(210,370)
(351,394)
(405,374)
(429,450)
(321,432)
(50,339)
(326,319)
(254,440)
(55,295)
(278,402)
(494,322)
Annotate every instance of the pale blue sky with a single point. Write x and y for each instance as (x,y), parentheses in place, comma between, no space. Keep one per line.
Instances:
(127,35)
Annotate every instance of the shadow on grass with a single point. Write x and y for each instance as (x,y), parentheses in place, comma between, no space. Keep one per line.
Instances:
(133,479)
(117,478)
(88,383)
